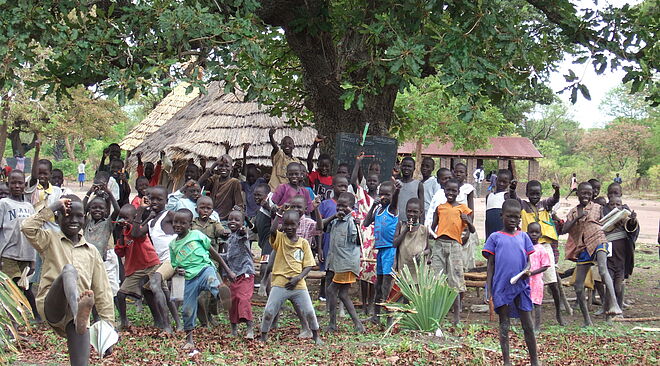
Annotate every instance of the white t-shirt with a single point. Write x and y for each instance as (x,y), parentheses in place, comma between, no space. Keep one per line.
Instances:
(81,168)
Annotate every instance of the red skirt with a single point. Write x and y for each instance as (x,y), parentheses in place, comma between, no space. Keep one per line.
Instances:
(241,297)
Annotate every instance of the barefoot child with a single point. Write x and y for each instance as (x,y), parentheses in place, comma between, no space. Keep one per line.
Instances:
(443,175)
(411,240)
(343,259)
(282,156)
(293,261)
(383,214)
(326,209)
(141,199)
(466,197)
(141,261)
(494,201)
(73,276)
(320,179)
(449,222)
(539,263)
(240,261)
(190,255)
(286,191)
(507,252)
(587,245)
(226,191)
(17,253)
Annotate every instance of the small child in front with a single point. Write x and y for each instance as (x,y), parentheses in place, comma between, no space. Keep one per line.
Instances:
(450,220)
(73,278)
(507,252)
(411,240)
(240,261)
(587,245)
(343,259)
(539,263)
(190,255)
(293,261)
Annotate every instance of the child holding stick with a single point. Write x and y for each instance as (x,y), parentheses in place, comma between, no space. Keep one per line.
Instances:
(507,252)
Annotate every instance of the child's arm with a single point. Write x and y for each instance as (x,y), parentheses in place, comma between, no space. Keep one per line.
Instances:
(33,226)
(273,143)
(512,190)
(275,223)
(328,220)
(490,269)
(141,228)
(310,155)
(91,190)
(295,279)
(140,165)
(158,169)
(568,225)
(216,257)
(112,201)
(35,163)
(356,170)
(420,195)
(468,220)
(371,214)
(395,199)
(207,174)
(550,202)
(400,234)
(246,147)
(537,271)
(317,214)
(436,221)
(470,202)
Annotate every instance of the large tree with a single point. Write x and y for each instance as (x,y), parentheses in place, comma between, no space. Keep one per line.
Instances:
(339,63)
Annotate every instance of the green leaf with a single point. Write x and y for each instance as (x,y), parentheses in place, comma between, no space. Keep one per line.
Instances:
(574,95)
(584,91)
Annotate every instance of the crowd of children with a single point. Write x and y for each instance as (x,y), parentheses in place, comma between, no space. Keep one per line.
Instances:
(358,228)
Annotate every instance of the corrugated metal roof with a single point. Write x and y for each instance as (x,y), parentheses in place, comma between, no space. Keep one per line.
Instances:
(512,147)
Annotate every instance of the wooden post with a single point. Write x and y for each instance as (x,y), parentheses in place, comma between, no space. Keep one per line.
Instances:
(533,170)
(445,162)
(471,166)
(418,160)
(502,164)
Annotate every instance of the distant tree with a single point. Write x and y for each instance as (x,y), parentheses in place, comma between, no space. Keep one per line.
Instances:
(618,145)
(544,122)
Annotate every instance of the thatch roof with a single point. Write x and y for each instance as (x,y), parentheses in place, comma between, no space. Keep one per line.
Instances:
(172,103)
(198,130)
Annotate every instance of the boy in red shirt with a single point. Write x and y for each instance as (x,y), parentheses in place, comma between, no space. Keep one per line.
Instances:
(141,261)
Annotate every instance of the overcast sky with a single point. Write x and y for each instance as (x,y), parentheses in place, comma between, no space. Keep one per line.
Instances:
(588,112)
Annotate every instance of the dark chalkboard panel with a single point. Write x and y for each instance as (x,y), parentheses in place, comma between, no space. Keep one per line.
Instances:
(384,149)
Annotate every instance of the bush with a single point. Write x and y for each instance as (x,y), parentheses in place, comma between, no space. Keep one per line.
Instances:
(68,167)
(15,311)
(430,298)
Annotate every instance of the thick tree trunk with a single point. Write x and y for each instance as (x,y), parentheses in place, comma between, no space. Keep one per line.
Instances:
(69,148)
(16,143)
(58,149)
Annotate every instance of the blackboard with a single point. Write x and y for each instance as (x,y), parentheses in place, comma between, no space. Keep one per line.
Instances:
(384,150)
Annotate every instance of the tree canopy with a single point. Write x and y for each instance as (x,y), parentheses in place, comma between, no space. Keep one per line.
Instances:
(336,64)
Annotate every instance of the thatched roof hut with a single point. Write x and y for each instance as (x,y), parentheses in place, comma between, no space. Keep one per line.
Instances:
(172,103)
(198,130)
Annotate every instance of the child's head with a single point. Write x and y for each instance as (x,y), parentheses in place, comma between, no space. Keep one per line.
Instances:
(374,168)
(585,193)
(287,145)
(504,178)
(615,202)
(261,192)
(372,182)
(72,222)
(191,172)
(98,208)
(407,167)
(149,169)
(511,214)
(192,191)
(181,222)
(534,232)
(460,172)
(224,167)
(443,175)
(44,171)
(4,190)
(141,186)
(614,190)
(343,170)
(414,209)
(157,198)
(293,174)
(324,165)
(114,151)
(428,166)
(533,191)
(116,166)
(235,220)
(290,222)
(451,190)
(57,177)
(252,173)
(595,186)
(204,207)
(84,162)
(385,192)
(16,183)
(298,203)
(339,185)
(127,213)
(345,204)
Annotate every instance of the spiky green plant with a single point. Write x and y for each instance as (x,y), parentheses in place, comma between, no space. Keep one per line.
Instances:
(430,298)
(15,311)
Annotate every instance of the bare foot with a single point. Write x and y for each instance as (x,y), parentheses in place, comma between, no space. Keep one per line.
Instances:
(189,346)
(330,329)
(614,310)
(85,305)
(305,334)
(249,334)
(360,328)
